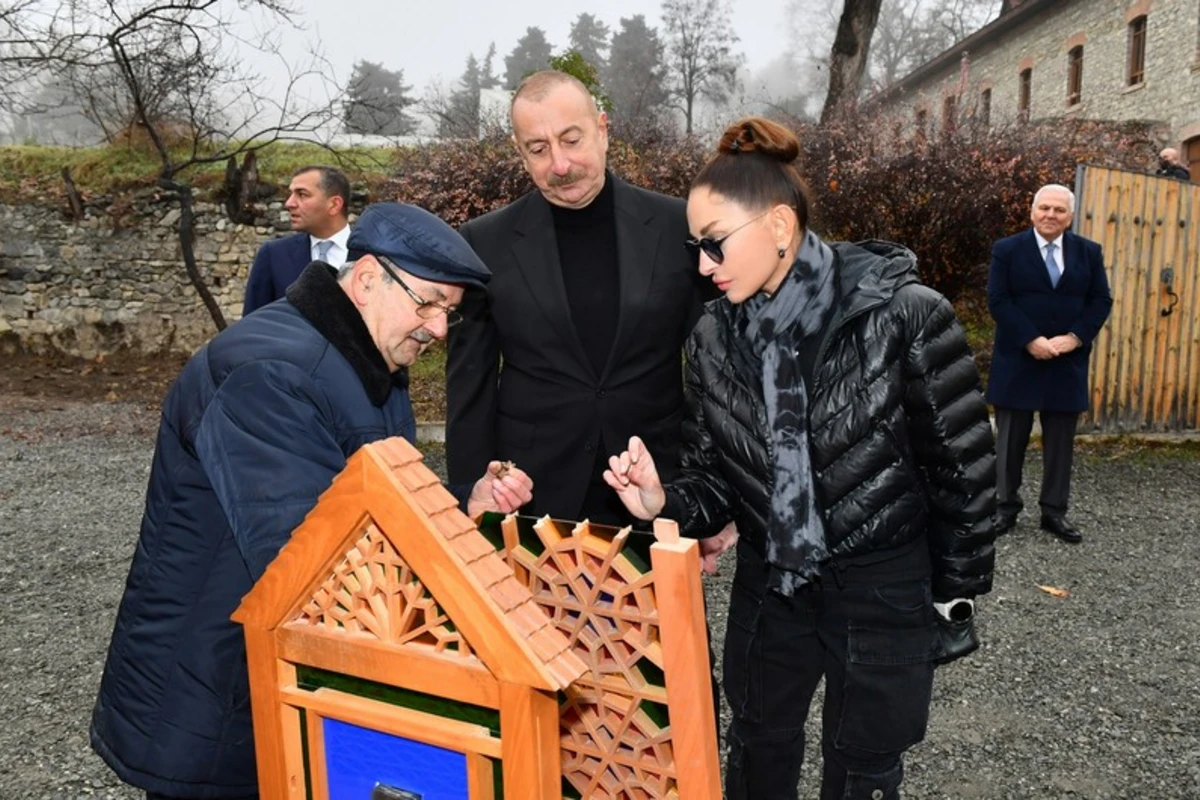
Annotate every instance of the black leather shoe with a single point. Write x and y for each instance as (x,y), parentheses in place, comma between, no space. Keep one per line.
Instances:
(1005,523)
(1061,528)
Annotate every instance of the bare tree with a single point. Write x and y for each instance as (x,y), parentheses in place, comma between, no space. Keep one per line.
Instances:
(700,60)
(165,68)
(912,32)
(848,58)
(907,34)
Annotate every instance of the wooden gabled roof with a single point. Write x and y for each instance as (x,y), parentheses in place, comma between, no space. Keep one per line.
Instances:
(386,491)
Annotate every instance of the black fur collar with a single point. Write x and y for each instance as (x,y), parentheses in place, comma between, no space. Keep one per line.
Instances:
(318,297)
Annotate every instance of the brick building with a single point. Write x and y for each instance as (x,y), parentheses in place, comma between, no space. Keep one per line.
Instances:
(1084,59)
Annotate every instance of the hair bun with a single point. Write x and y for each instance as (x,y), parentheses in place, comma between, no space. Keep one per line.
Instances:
(759,135)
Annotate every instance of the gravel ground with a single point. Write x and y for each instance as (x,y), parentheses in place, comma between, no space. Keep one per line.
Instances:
(1096,695)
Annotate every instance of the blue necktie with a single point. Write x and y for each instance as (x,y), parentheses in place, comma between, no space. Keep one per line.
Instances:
(323,249)
(1052,266)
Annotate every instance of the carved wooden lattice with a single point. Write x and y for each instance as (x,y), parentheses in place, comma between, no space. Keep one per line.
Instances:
(616,738)
(372,590)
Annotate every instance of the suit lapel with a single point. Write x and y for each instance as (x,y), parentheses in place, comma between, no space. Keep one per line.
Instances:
(1074,263)
(303,251)
(637,248)
(536,252)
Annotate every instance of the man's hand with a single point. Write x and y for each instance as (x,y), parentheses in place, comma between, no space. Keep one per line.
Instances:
(1065,343)
(503,488)
(635,479)
(712,547)
(1042,348)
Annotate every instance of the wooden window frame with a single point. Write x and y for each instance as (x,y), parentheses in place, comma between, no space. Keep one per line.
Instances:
(985,106)
(1135,66)
(1024,94)
(949,113)
(1075,76)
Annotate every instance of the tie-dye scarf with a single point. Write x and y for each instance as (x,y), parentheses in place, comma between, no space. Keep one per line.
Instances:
(776,327)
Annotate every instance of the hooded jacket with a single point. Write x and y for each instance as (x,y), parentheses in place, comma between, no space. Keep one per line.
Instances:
(899,432)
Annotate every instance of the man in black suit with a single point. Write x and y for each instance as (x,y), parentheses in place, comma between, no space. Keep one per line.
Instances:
(317,204)
(576,345)
(1048,292)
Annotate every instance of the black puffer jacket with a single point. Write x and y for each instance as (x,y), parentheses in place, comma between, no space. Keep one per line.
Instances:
(900,436)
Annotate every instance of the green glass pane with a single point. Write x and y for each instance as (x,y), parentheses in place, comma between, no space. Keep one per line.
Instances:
(651,673)
(657,712)
(489,526)
(311,679)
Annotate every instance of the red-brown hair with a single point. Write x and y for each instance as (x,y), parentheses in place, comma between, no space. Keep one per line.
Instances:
(754,166)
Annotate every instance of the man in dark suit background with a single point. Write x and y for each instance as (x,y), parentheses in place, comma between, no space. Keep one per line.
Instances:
(317,203)
(576,345)
(1048,292)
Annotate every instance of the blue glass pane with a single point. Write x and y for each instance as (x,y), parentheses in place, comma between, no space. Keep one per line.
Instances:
(356,759)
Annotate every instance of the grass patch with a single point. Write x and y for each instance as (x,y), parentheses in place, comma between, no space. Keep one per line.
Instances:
(1139,449)
(29,173)
(427,383)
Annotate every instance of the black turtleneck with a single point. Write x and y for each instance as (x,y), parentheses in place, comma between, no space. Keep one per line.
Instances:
(587,250)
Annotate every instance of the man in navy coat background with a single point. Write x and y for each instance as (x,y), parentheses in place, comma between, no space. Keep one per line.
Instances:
(1049,295)
(317,203)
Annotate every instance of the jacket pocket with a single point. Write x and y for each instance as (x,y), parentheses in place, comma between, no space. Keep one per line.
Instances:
(888,682)
(911,468)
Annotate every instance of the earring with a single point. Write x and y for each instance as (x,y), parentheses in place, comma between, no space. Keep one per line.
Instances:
(782,252)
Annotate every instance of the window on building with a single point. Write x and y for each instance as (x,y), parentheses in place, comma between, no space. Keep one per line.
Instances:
(1023,94)
(985,106)
(1075,76)
(1137,51)
(949,114)
(922,121)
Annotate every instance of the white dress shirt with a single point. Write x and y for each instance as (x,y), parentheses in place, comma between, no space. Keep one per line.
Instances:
(337,253)
(1059,257)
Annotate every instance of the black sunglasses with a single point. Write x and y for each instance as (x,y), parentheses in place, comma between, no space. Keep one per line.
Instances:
(712,247)
(426,309)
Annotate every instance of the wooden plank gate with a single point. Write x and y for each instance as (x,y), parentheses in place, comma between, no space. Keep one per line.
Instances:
(1145,365)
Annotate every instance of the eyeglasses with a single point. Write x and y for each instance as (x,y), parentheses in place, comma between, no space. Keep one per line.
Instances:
(426,309)
(712,247)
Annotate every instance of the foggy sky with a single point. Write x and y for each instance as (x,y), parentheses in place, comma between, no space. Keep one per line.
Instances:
(431,40)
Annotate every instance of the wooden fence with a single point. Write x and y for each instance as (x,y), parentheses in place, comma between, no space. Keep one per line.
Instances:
(1145,367)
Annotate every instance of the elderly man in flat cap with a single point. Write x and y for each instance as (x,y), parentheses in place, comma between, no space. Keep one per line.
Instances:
(258,424)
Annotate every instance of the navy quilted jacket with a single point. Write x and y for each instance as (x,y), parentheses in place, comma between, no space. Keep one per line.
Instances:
(256,427)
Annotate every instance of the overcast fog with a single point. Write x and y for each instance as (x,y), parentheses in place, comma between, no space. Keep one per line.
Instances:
(781,49)
(431,40)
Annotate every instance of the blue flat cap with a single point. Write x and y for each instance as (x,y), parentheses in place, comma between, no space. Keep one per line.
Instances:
(418,242)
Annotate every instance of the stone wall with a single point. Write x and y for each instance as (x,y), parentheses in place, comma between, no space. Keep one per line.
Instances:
(116,279)
(1170,92)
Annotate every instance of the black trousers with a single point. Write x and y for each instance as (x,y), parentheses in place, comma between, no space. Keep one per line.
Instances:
(874,646)
(153,796)
(1013,427)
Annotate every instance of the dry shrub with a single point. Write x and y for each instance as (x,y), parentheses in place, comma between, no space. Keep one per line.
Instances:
(949,198)
(462,179)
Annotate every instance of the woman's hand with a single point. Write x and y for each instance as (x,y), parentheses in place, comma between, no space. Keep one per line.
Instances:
(633,476)
(712,547)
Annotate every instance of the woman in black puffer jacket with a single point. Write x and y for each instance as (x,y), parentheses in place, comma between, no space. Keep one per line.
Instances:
(834,413)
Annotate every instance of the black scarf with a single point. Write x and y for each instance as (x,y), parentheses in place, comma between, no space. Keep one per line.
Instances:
(319,299)
(776,327)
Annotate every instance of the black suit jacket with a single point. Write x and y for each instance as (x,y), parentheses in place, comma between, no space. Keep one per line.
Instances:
(1026,305)
(519,384)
